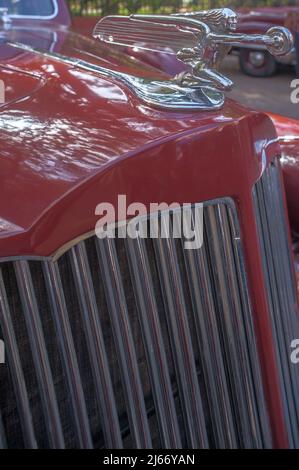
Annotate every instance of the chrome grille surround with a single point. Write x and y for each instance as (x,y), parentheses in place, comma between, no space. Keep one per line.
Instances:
(281,287)
(135,343)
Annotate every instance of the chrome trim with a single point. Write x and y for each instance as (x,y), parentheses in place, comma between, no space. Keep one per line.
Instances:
(209,340)
(39,354)
(289,58)
(201,40)
(37,17)
(96,346)
(61,251)
(68,354)
(165,94)
(204,380)
(233,303)
(288,138)
(85,236)
(15,365)
(182,350)
(272,227)
(124,342)
(211,39)
(6,259)
(54,35)
(153,340)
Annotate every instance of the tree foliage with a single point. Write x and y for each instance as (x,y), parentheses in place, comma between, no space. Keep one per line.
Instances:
(104,7)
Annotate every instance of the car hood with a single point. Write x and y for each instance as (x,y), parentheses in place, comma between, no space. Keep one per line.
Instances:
(76,125)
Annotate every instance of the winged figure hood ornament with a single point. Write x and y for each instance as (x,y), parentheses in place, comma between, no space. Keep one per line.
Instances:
(201,40)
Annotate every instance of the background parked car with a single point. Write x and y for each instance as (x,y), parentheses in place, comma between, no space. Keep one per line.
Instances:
(256,61)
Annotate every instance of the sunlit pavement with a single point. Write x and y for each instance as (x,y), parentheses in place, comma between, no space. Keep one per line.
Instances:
(269,94)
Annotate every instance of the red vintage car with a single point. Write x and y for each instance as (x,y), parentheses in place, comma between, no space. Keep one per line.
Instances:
(140,341)
(257,61)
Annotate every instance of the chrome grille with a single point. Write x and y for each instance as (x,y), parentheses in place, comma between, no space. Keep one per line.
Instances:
(281,288)
(134,342)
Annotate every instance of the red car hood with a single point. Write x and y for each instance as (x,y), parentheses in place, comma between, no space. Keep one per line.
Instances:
(75,129)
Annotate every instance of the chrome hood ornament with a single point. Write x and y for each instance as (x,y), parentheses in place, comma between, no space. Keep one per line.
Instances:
(201,40)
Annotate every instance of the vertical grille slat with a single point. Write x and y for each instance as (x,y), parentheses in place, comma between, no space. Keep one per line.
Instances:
(227,325)
(13,355)
(277,320)
(251,432)
(289,293)
(190,394)
(153,340)
(39,353)
(282,298)
(111,277)
(147,343)
(68,353)
(98,358)
(220,408)
(257,400)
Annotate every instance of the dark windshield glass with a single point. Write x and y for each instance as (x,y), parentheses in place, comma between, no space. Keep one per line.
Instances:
(29,7)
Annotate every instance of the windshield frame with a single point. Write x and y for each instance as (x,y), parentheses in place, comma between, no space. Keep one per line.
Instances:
(38,17)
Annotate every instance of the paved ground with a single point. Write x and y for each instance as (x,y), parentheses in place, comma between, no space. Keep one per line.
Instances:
(270,94)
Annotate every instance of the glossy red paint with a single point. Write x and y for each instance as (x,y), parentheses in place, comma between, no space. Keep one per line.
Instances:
(80,126)
(259,20)
(288,130)
(21,85)
(84,24)
(80,139)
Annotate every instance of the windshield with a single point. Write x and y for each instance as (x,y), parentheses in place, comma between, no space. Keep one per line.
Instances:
(41,8)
